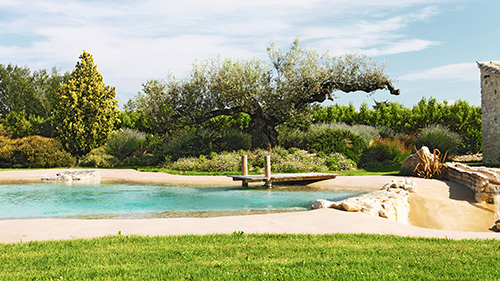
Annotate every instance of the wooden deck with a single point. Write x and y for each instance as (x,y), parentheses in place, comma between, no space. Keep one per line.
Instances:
(283,178)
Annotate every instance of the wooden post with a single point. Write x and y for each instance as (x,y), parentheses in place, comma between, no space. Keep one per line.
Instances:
(244,169)
(267,169)
(244,165)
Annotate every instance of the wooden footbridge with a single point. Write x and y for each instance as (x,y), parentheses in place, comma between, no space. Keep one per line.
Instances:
(268,178)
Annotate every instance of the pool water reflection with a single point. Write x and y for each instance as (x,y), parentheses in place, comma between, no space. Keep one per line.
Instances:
(22,201)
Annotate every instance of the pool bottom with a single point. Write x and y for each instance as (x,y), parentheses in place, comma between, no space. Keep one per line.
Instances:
(151,201)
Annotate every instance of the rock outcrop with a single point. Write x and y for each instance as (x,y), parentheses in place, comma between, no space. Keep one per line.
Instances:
(392,202)
(483,181)
(75,175)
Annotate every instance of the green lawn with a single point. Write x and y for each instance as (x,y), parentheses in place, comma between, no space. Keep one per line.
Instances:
(252,257)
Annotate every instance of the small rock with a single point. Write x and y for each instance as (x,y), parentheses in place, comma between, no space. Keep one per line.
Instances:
(481,197)
(383,213)
(350,206)
(322,203)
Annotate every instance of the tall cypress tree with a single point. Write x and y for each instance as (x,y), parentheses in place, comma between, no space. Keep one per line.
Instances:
(85,110)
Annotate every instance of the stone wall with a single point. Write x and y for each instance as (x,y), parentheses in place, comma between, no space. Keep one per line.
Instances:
(490,111)
(484,182)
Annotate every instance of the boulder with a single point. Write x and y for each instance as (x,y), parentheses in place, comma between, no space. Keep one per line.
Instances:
(410,163)
(350,206)
(392,202)
(404,184)
(322,203)
(75,175)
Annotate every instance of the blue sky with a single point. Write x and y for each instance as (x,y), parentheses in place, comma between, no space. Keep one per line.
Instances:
(429,46)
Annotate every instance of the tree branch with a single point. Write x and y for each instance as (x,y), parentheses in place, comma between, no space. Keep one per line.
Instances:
(214,113)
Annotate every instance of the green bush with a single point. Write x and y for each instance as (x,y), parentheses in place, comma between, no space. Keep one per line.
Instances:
(282,161)
(221,163)
(332,139)
(7,150)
(288,137)
(198,142)
(225,162)
(338,162)
(459,117)
(441,138)
(367,133)
(384,151)
(124,147)
(33,152)
(386,132)
(124,143)
(99,158)
(185,164)
(298,162)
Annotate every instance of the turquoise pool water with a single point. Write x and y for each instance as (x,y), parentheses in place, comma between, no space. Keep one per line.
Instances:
(22,201)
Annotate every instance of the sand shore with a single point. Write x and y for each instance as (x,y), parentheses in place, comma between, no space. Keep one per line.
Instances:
(438,209)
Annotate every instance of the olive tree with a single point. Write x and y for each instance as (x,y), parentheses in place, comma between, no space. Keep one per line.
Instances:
(269,92)
(85,110)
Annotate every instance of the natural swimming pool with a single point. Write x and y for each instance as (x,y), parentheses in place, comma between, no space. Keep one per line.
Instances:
(93,201)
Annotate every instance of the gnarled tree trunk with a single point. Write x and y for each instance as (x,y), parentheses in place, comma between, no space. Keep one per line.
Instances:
(263,131)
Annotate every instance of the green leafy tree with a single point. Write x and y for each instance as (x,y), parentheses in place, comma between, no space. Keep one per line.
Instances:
(270,93)
(32,93)
(16,91)
(459,117)
(85,112)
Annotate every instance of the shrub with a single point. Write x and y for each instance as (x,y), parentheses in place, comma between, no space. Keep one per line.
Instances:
(283,161)
(35,152)
(441,138)
(227,162)
(299,161)
(431,167)
(224,162)
(459,117)
(7,150)
(332,139)
(98,158)
(203,141)
(382,152)
(3,131)
(185,164)
(289,138)
(124,143)
(338,162)
(386,132)
(367,133)
(124,147)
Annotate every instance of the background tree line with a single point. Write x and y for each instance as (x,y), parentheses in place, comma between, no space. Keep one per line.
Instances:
(459,117)
(70,114)
(224,105)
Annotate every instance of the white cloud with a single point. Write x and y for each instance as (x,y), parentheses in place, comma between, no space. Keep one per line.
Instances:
(133,41)
(402,46)
(457,71)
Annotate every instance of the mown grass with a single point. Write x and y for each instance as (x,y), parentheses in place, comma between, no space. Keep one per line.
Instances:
(252,257)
